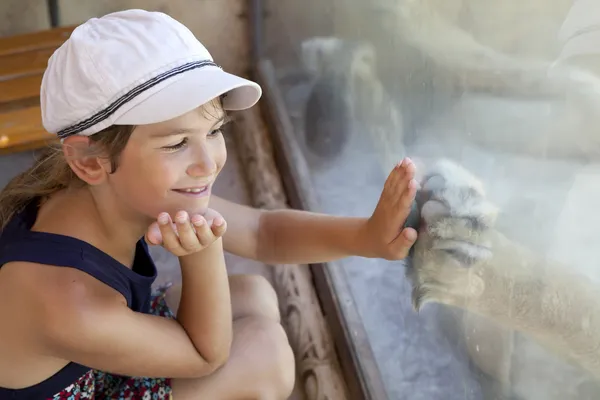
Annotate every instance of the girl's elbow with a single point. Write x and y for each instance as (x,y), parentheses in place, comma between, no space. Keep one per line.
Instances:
(204,367)
(213,358)
(220,357)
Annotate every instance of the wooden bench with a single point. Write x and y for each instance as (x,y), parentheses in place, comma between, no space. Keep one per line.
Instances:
(23,59)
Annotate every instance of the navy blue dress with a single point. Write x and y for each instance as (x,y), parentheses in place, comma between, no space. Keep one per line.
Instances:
(19,243)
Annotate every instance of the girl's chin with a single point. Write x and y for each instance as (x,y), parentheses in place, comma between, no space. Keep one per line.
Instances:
(197,206)
(190,209)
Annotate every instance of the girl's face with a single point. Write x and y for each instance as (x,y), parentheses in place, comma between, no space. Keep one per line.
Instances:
(171,166)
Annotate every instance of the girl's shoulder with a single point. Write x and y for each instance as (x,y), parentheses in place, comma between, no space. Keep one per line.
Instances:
(38,302)
(45,272)
(47,291)
(65,252)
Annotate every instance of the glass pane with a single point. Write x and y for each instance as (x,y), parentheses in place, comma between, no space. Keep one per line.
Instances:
(507,93)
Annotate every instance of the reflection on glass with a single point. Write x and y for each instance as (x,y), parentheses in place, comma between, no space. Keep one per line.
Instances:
(497,103)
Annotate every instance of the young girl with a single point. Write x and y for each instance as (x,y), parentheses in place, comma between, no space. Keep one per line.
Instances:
(139,105)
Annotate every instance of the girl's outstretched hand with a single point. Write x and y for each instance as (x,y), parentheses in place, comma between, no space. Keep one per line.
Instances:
(187,234)
(384,232)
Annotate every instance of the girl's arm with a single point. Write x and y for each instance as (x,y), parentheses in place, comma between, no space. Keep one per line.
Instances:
(300,237)
(289,236)
(102,333)
(205,306)
(77,318)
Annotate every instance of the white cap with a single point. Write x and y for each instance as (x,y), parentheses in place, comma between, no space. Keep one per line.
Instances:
(133,67)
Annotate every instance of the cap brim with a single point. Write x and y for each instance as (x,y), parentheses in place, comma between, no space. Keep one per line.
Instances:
(190,90)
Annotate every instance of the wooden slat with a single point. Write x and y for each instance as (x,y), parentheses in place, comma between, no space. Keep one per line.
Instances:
(23,60)
(22,88)
(27,63)
(34,41)
(22,129)
(16,122)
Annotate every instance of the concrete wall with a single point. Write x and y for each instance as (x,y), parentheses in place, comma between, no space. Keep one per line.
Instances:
(221,25)
(20,16)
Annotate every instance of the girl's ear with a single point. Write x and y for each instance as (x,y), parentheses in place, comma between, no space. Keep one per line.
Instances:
(86,163)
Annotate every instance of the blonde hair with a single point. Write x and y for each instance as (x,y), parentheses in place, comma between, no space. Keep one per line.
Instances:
(51,173)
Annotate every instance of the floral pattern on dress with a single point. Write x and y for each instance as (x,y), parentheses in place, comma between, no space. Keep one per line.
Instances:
(100,385)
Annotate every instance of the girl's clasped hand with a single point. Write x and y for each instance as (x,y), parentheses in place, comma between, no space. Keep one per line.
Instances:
(187,234)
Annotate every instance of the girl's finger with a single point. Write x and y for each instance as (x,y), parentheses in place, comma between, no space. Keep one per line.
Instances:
(401,246)
(219,226)
(153,236)
(187,236)
(170,239)
(203,232)
(404,203)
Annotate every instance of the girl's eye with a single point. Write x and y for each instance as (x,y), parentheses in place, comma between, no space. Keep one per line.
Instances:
(216,132)
(176,146)
(184,142)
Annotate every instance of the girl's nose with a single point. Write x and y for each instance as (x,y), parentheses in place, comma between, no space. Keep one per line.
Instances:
(204,164)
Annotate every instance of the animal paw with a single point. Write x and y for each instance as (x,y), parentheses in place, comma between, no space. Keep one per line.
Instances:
(456,213)
(456,219)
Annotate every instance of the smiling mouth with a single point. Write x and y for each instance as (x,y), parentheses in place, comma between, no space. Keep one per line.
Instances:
(195,191)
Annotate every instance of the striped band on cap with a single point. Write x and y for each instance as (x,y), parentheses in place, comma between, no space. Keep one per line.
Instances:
(113,107)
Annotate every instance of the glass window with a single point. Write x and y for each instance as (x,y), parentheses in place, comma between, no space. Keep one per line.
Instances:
(497,103)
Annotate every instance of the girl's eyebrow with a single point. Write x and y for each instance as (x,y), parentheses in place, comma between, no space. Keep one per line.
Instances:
(174,132)
(182,131)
